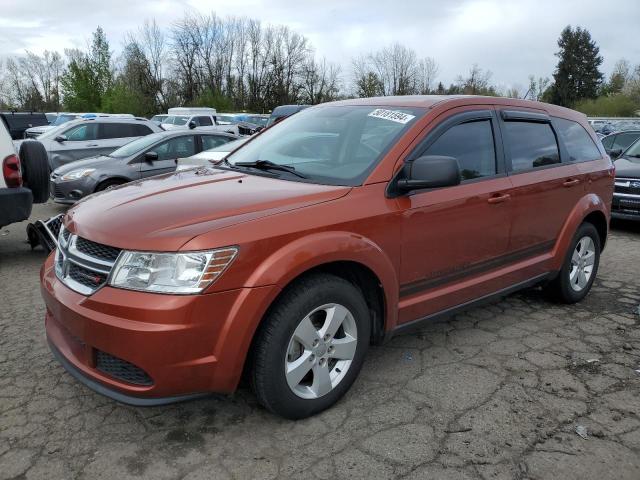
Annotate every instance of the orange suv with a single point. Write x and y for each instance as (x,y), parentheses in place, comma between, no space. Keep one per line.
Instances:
(336,228)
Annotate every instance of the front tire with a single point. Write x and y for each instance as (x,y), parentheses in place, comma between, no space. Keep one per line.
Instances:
(580,266)
(311,346)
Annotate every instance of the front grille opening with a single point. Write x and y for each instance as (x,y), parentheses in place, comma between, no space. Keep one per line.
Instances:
(97,250)
(121,369)
(86,277)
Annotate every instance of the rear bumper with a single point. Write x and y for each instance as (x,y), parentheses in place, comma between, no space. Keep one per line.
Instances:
(15,205)
(182,345)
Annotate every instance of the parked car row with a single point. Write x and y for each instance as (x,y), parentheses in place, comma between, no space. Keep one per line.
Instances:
(150,155)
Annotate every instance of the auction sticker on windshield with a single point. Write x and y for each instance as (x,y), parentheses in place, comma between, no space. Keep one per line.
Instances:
(393,115)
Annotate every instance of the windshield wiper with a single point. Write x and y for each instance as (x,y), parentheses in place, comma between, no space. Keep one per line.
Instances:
(269,165)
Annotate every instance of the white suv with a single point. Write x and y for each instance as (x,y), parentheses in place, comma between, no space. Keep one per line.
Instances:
(24,179)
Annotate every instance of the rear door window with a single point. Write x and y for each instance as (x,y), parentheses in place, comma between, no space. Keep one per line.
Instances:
(141,130)
(472,144)
(179,147)
(203,121)
(116,130)
(530,145)
(578,142)
(213,141)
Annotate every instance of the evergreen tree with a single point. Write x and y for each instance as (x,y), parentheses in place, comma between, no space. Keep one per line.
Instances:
(88,77)
(577,76)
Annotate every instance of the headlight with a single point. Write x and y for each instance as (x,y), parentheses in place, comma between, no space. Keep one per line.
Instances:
(76,174)
(189,272)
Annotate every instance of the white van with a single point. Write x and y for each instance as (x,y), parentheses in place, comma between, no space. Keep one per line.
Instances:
(195,117)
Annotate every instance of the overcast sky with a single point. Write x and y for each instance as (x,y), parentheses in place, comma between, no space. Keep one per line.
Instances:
(511,38)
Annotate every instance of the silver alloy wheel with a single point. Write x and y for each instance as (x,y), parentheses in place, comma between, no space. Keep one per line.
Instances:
(321,351)
(582,263)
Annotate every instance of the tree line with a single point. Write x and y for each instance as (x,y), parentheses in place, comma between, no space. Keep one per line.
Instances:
(240,64)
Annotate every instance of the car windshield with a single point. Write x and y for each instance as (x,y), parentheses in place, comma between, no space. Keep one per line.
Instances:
(136,146)
(633,151)
(335,145)
(175,120)
(257,120)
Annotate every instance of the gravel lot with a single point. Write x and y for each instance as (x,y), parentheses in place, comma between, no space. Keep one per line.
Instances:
(495,393)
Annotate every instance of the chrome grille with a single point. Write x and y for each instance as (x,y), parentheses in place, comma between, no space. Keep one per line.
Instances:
(83,265)
(97,250)
(629,186)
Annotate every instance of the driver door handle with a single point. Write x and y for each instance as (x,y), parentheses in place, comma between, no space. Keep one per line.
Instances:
(92,145)
(570,182)
(498,198)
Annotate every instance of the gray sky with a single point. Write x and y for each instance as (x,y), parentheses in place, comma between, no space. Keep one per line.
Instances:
(511,38)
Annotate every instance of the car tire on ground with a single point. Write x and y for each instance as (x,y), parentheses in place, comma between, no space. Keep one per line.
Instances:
(580,266)
(35,169)
(108,184)
(311,346)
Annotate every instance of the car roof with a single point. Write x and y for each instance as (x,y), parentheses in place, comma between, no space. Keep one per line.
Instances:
(432,101)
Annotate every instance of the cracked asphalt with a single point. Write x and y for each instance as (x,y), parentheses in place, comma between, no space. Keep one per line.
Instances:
(495,393)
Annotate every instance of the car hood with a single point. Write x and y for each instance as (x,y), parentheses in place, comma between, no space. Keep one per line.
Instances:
(91,162)
(162,213)
(627,167)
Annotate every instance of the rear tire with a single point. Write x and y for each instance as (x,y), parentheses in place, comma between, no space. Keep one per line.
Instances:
(320,327)
(35,169)
(580,266)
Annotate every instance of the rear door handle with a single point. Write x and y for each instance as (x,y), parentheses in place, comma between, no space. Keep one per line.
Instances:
(499,198)
(92,145)
(570,182)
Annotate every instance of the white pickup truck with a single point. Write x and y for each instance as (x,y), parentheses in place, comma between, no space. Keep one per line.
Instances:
(202,118)
(24,179)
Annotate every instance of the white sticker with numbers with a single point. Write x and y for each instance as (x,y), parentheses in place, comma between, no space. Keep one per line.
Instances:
(393,115)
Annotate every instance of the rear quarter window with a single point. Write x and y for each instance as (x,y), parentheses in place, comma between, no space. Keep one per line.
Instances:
(531,145)
(578,142)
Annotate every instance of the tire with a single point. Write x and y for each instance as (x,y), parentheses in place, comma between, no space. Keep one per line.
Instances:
(310,302)
(569,286)
(108,184)
(35,169)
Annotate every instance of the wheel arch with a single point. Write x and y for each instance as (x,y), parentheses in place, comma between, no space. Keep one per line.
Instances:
(115,178)
(590,208)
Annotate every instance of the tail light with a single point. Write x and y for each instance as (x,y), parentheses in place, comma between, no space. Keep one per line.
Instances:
(12,171)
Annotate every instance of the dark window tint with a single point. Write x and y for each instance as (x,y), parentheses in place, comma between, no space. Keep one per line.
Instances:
(116,130)
(179,147)
(141,130)
(213,141)
(203,121)
(623,140)
(82,133)
(472,144)
(531,145)
(578,142)
(607,142)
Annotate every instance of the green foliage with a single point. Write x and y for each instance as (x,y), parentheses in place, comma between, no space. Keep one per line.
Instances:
(208,98)
(577,74)
(88,76)
(618,105)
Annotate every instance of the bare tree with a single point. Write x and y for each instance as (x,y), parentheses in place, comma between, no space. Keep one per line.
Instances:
(427,74)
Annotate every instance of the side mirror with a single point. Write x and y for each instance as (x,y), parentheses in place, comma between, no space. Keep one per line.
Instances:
(431,171)
(615,153)
(192,125)
(61,138)
(150,156)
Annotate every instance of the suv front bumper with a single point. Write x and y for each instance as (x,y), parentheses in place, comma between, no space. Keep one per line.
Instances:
(158,348)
